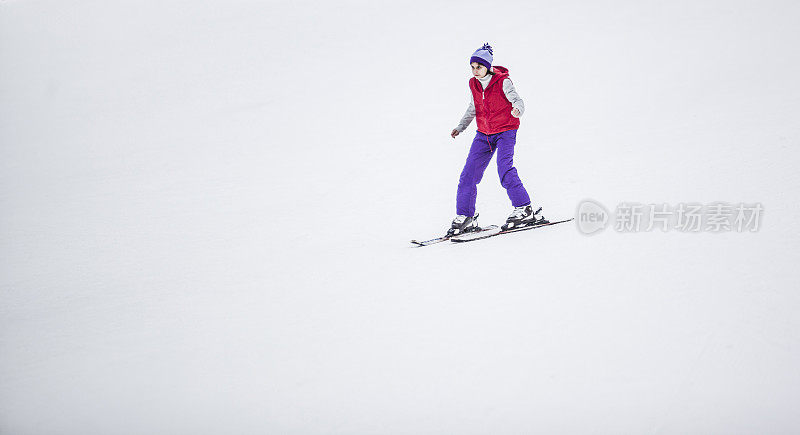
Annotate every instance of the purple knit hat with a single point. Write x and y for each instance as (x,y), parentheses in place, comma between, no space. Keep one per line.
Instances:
(483,56)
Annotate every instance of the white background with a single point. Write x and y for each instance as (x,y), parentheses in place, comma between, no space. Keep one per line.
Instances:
(205,210)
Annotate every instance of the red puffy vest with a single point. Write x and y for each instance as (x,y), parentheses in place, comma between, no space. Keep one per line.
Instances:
(492,108)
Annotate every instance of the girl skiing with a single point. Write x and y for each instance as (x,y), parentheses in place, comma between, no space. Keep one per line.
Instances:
(497,107)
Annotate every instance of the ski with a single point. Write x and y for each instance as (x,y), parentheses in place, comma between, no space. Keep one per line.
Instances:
(431,241)
(491,230)
(480,232)
(486,235)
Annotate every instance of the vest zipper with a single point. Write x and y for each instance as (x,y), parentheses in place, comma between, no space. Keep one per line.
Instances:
(488,122)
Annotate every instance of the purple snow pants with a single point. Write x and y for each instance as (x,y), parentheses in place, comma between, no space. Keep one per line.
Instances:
(480,153)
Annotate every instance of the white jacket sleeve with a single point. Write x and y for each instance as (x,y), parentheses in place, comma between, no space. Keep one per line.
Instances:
(469,115)
(513,96)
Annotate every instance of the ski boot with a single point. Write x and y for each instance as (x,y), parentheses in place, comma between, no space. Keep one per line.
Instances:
(463,224)
(522,217)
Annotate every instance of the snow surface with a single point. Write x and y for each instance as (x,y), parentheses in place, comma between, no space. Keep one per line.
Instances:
(205,210)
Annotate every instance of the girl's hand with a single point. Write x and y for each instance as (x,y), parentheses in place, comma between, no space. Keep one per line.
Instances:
(515,112)
(454,133)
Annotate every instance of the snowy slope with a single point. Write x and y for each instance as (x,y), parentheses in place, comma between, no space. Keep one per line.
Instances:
(205,210)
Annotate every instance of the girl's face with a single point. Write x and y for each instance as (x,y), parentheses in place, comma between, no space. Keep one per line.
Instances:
(478,70)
